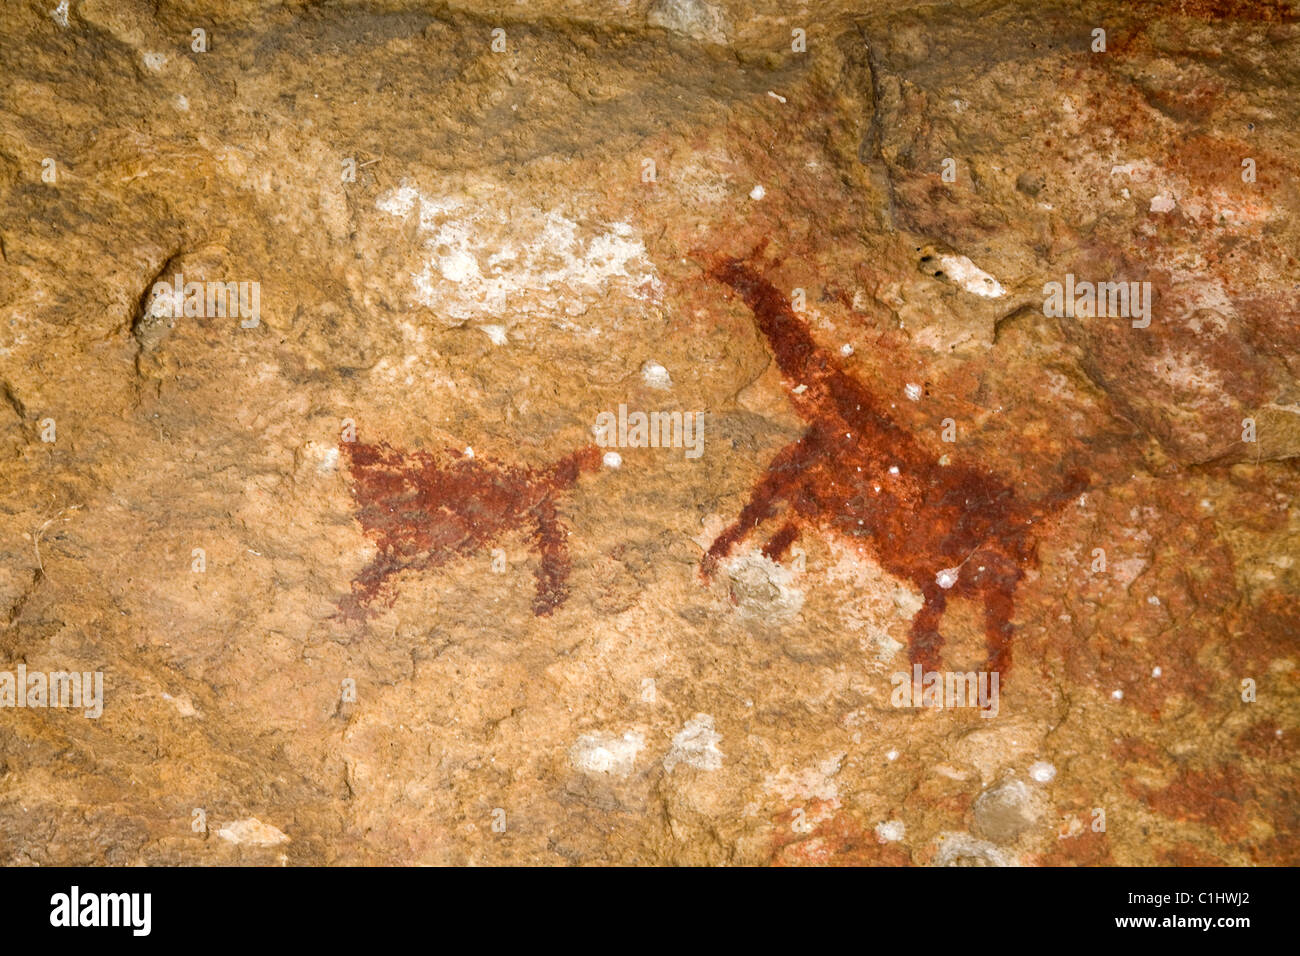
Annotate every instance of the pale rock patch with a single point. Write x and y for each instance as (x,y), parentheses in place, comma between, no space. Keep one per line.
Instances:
(696,19)
(971,277)
(607,754)
(252,832)
(547,264)
(696,745)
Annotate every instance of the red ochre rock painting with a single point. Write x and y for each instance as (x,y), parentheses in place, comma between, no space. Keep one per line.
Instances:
(423,512)
(857,474)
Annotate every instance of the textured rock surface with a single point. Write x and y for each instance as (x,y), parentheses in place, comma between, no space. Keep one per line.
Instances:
(474,635)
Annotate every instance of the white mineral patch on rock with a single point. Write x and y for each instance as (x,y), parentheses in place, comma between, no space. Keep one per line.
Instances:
(184,706)
(328,459)
(472,270)
(970,277)
(252,832)
(810,783)
(696,745)
(693,18)
(656,376)
(762,588)
(962,849)
(497,333)
(607,754)
(891,831)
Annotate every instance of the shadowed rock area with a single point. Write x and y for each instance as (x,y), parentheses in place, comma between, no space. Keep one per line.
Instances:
(668,432)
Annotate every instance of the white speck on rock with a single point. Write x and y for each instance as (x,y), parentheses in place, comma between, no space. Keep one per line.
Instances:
(656,376)
(155,61)
(60,13)
(607,754)
(1117,695)
(1156,672)
(846,350)
(1162,204)
(696,745)
(947,577)
(912,391)
(758,192)
(613,459)
(1042,771)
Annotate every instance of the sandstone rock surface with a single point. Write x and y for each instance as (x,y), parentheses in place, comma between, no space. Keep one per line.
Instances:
(368,581)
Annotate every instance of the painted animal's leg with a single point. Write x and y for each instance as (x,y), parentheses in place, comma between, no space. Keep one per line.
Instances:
(998,583)
(925,642)
(553,570)
(778,544)
(783,472)
(366,588)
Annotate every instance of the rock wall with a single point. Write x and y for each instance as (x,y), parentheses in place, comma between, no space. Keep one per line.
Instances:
(588,433)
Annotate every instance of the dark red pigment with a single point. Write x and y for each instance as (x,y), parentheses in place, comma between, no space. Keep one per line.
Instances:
(423,513)
(925,519)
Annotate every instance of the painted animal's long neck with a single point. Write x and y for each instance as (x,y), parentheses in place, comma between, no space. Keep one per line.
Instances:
(800,359)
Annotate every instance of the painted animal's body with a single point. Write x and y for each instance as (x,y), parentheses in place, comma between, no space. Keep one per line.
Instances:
(857,473)
(423,513)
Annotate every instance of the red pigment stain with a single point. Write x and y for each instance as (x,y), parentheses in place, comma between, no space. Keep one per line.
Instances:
(423,513)
(838,840)
(837,478)
(1089,848)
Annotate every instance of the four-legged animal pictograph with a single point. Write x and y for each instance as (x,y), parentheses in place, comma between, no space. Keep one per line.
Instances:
(423,512)
(856,473)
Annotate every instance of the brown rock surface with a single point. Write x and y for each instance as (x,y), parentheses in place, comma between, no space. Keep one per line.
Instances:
(364,576)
